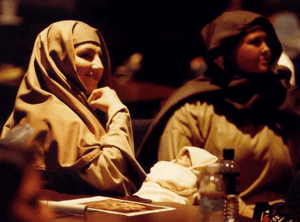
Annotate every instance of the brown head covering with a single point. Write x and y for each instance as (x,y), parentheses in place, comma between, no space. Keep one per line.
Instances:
(67,132)
(54,54)
(222,34)
(52,99)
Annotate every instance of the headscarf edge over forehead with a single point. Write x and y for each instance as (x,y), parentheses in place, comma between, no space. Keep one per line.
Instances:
(234,24)
(83,33)
(61,38)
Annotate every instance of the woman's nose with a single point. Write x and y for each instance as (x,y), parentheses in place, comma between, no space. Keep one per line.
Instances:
(266,49)
(97,63)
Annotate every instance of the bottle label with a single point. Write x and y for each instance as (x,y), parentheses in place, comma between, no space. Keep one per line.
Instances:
(211,201)
(231,183)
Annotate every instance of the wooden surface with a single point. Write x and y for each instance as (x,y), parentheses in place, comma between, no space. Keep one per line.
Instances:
(182,213)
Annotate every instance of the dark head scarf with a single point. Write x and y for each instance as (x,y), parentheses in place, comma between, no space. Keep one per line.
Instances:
(223,33)
(254,93)
(221,37)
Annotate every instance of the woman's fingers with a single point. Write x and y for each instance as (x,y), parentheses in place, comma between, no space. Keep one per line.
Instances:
(97,93)
(103,98)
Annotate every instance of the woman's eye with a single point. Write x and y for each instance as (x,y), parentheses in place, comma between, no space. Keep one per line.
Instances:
(255,42)
(85,56)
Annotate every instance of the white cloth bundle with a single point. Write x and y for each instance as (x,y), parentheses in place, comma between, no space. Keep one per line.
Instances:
(170,182)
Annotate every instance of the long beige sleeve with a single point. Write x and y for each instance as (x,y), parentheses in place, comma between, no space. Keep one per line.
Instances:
(109,172)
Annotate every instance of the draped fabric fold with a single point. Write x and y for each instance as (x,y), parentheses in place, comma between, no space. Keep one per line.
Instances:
(68,133)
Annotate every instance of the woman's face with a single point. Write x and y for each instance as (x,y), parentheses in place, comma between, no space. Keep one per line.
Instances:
(89,65)
(252,54)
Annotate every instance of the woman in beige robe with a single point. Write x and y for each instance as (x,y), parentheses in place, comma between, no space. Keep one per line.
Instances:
(242,101)
(82,130)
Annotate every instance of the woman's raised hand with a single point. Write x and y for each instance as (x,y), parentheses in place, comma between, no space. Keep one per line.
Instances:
(103,98)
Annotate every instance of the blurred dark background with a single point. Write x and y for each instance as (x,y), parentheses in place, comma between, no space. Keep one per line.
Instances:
(166,32)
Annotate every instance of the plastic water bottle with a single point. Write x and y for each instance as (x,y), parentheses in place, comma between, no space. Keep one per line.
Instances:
(231,173)
(211,195)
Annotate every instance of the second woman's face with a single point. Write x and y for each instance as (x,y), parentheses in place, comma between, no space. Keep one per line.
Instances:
(89,65)
(252,54)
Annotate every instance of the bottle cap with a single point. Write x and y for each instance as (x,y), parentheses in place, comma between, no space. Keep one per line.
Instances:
(228,153)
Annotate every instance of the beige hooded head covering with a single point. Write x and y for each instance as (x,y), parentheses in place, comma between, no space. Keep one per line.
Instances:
(52,99)
(68,134)
(54,54)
